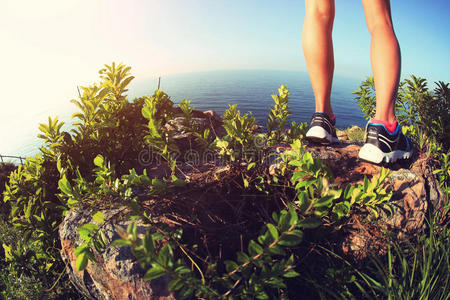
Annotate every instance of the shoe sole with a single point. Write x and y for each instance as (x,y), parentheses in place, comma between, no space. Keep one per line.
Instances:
(318,135)
(373,154)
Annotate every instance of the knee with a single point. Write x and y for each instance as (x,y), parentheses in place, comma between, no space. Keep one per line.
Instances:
(380,24)
(321,11)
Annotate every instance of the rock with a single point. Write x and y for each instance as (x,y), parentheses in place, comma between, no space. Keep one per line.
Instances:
(214,117)
(409,182)
(414,189)
(116,275)
(180,129)
(256,128)
(341,134)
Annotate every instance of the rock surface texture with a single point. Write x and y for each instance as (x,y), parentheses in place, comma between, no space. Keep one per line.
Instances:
(414,189)
(118,276)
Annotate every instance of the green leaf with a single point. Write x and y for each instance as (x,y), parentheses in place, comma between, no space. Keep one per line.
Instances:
(295,163)
(242,257)
(230,265)
(283,223)
(310,223)
(58,165)
(324,201)
(81,261)
(89,226)
(98,160)
(304,202)
(246,183)
(182,270)
(175,284)
(165,255)
(65,186)
(292,238)
(155,272)
(254,248)
(272,230)
(98,217)
(293,217)
(8,254)
(275,216)
(298,175)
(262,295)
(290,274)
(120,243)
(148,243)
(84,233)
(277,250)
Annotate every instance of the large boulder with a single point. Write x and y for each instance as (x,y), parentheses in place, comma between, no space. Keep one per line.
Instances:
(180,129)
(414,188)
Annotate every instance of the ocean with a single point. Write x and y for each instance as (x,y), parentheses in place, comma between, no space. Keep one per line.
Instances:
(251,90)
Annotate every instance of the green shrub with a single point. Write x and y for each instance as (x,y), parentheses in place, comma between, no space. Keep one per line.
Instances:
(239,139)
(5,171)
(355,133)
(107,123)
(423,113)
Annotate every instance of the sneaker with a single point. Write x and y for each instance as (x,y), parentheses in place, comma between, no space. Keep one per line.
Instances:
(322,129)
(381,146)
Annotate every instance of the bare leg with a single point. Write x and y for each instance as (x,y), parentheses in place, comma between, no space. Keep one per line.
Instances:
(318,50)
(385,57)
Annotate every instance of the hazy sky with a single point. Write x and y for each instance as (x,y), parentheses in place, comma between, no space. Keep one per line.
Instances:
(48,47)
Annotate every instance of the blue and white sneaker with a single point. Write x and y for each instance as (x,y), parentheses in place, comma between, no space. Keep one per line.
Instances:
(322,129)
(382,146)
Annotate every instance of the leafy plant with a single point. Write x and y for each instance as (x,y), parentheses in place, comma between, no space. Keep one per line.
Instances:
(258,273)
(423,113)
(158,137)
(365,97)
(31,193)
(51,134)
(106,123)
(187,112)
(239,138)
(296,131)
(371,194)
(5,171)
(278,115)
(355,133)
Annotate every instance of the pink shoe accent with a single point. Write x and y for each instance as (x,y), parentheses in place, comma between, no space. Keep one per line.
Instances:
(389,126)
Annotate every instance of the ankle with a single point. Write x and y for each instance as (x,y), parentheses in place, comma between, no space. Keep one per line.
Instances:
(329,114)
(390,126)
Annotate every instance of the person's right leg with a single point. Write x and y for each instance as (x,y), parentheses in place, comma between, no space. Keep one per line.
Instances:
(384,57)
(385,141)
(318,50)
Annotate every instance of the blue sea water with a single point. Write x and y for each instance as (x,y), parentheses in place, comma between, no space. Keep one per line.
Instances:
(250,89)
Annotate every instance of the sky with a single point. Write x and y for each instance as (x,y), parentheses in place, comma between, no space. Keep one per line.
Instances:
(48,47)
